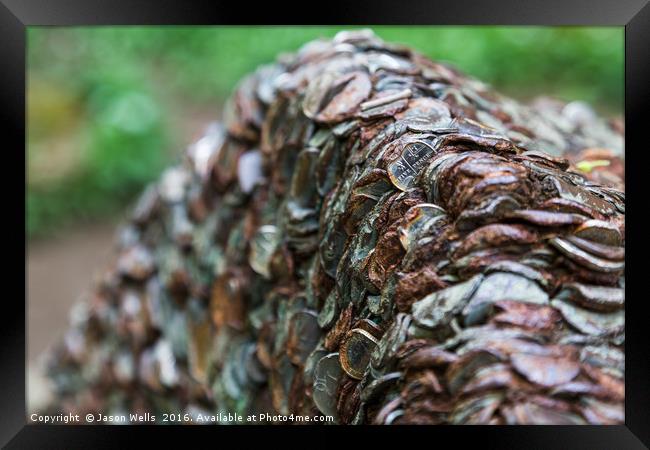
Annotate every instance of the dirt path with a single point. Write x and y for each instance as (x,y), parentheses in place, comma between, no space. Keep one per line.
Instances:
(59,270)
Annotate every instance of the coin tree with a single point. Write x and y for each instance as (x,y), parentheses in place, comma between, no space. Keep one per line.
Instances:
(372,236)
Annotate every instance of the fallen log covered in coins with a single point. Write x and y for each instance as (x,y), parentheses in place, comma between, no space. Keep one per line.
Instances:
(370,236)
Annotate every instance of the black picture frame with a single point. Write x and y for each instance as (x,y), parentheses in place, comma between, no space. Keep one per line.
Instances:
(16,15)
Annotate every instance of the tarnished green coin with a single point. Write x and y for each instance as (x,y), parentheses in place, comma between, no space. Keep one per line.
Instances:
(329,312)
(311,363)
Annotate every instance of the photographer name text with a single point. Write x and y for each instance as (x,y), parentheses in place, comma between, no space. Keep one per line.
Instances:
(198,418)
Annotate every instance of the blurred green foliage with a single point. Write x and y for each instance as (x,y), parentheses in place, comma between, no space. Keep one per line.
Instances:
(109,107)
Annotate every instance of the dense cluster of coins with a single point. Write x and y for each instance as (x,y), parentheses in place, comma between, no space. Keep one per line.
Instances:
(373,236)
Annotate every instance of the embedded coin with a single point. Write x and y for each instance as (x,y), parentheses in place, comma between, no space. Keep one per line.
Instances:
(355,352)
(404,169)
(261,251)
(304,333)
(327,377)
(329,312)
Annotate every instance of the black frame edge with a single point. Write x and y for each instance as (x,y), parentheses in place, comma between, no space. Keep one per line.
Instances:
(405,12)
(634,14)
(12,118)
(637,93)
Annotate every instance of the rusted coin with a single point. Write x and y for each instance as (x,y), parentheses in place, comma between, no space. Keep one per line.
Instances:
(599,231)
